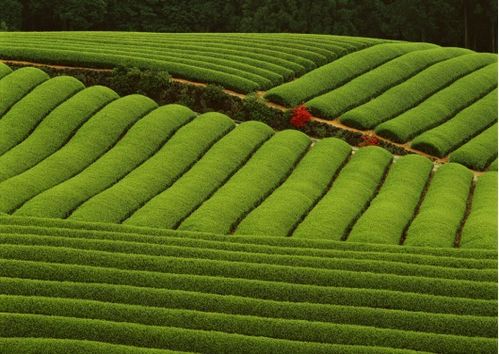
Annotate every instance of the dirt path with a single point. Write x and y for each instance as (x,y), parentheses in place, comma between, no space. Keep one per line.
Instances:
(335,123)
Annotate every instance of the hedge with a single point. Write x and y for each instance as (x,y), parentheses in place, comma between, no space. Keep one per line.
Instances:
(393,208)
(54,130)
(415,90)
(283,245)
(305,50)
(4,70)
(465,125)
(479,152)
(64,346)
(262,77)
(480,229)
(242,62)
(364,296)
(17,84)
(73,57)
(440,107)
(338,72)
(279,214)
(245,190)
(279,329)
(371,84)
(208,248)
(157,173)
(482,326)
(179,338)
(139,143)
(26,114)
(493,166)
(166,267)
(348,197)
(225,158)
(443,208)
(380,264)
(94,138)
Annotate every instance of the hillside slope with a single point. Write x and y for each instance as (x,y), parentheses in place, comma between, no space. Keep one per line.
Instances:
(126,160)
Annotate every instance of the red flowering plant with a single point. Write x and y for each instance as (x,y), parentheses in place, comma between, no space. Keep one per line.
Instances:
(300,116)
(369,140)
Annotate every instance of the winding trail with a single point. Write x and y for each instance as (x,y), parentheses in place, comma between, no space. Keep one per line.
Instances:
(334,123)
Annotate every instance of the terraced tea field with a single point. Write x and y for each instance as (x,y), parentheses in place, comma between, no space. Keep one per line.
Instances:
(127,289)
(438,100)
(129,227)
(125,160)
(244,62)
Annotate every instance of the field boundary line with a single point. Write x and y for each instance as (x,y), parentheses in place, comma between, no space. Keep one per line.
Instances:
(334,123)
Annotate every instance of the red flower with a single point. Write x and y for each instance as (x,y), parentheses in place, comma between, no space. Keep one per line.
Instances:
(370,140)
(301,116)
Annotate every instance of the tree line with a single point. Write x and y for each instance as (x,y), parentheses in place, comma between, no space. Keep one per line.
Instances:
(463,23)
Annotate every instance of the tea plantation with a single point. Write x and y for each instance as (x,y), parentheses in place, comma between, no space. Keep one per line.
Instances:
(132,227)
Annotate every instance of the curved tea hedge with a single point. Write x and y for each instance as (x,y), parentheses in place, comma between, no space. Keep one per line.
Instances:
(405,91)
(124,160)
(443,208)
(337,73)
(374,82)
(480,228)
(461,128)
(479,152)
(244,62)
(54,130)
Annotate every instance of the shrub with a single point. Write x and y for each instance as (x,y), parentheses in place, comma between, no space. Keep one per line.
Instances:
(443,208)
(149,82)
(479,152)
(480,228)
(250,185)
(300,116)
(348,197)
(390,212)
(157,173)
(170,207)
(279,214)
(139,143)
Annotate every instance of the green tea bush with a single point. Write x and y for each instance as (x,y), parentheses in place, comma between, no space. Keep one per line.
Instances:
(390,212)
(17,84)
(278,329)
(480,228)
(459,129)
(482,326)
(91,141)
(286,206)
(440,107)
(348,196)
(224,159)
(4,70)
(350,288)
(157,173)
(26,115)
(443,208)
(365,87)
(139,143)
(54,130)
(247,188)
(338,72)
(415,90)
(479,152)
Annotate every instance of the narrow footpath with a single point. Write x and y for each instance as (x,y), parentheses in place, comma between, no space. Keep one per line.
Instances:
(335,123)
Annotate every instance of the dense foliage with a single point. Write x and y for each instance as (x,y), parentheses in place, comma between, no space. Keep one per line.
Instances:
(467,23)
